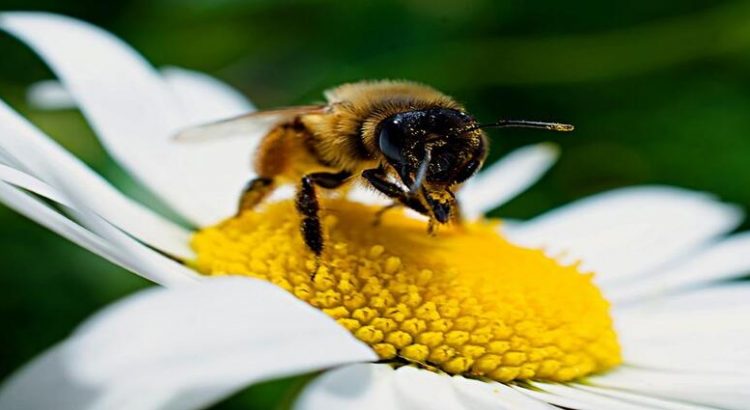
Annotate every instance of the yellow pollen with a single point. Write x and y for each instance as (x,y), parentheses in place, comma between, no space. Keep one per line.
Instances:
(465,301)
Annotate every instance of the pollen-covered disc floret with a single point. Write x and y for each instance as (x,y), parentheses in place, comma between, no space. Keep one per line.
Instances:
(465,301)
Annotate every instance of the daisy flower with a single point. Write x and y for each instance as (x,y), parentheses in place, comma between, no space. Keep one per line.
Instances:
(619,301)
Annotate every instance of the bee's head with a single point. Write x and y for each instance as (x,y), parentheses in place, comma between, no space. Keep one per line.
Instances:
(434,148)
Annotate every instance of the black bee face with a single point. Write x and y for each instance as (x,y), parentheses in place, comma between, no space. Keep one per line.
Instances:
(432,150)
(436,138)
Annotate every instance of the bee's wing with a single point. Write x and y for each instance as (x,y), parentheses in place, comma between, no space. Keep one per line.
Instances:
(258,122)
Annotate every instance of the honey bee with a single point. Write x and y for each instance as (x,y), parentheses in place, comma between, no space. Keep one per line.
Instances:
(407,140)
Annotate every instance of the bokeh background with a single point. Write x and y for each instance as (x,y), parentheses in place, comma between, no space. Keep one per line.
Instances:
(659,92)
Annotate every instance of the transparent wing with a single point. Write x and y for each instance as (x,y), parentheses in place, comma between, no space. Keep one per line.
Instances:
(258,122)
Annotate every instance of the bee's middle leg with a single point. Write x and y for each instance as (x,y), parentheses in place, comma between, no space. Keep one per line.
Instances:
(254,192)
(379,214)
(308,205)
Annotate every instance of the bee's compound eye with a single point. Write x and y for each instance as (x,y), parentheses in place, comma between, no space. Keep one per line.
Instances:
(442,164)
(391,139)
(468,170)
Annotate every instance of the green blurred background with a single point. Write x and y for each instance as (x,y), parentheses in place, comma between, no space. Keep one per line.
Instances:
(659,92)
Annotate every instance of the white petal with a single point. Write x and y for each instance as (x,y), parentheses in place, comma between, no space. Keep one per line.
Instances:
(554,399)
(45,159)
(644,401)
(381,387)
(166,272)
(718,297)
(135,114)
(723,260)
(704,330)
(359,386)
(600,398)
(146,261)
(506,178)
(39,212)
(7,159)
(110,243)
(628,231)
(29,183)
(478,394)
(204,98)
(46,383)
(421,389)
(709,389)
(186,348)
(49,95)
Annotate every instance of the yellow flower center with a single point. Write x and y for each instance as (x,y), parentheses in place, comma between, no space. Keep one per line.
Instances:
(465,301)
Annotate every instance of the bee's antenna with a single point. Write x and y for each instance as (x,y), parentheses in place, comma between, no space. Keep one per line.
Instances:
(422,171)
(551,126)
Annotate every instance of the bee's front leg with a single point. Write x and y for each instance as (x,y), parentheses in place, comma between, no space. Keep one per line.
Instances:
(377,178)
(308,205)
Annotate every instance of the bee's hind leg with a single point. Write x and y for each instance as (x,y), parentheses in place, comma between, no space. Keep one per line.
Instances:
(309,207)
(254,192)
